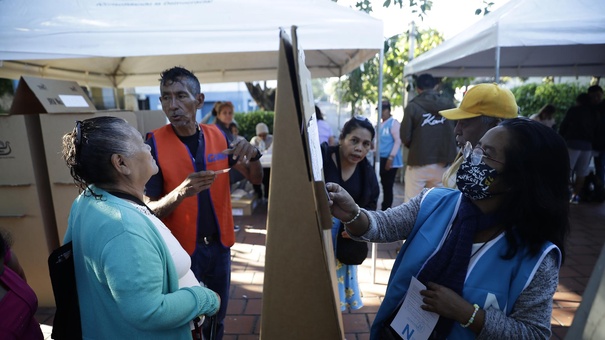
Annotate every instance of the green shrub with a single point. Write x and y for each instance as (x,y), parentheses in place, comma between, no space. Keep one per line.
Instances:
(532,97)
(246,122)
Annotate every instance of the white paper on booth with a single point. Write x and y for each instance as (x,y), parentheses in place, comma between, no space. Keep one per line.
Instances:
(73,100)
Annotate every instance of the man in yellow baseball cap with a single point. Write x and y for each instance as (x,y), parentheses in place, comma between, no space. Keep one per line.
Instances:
(483,107)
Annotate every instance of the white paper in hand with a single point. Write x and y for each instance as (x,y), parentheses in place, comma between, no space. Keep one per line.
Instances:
(411,321)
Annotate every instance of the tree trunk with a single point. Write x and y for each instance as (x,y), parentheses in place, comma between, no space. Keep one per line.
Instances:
(263,96)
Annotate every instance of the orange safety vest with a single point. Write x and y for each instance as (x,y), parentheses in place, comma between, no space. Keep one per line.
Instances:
(177,163)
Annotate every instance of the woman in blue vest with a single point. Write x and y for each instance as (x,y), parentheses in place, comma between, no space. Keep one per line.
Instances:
(489,254)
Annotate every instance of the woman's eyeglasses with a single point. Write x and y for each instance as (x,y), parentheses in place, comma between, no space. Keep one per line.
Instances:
(476,154)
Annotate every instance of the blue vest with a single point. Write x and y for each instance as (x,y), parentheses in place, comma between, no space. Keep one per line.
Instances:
(386,144)
(490,282)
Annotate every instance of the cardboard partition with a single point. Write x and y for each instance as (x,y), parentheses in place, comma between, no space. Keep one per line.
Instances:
(62,186)
(22,212)
(43,95)
(42,111)
(149,120)
(35,96)
(300,299)
(588,322)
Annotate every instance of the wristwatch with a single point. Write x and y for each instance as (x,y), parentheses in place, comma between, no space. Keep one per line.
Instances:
(257,157)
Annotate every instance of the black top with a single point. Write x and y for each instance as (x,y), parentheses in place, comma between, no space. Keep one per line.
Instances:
(362,185)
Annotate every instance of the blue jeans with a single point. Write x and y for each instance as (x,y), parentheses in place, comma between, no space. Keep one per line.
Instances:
(211,264)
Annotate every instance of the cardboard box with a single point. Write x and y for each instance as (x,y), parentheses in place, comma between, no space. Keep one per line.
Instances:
(37,191)
(62,185)
(149,120)
(24,211)
(243,206)
(42,95)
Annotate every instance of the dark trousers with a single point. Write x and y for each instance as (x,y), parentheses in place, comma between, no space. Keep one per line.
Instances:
(258,189)
(387,179)
(211,264)
(599,165)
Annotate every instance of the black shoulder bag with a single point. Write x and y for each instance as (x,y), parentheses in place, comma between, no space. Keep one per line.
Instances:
(66,324)
(348,251)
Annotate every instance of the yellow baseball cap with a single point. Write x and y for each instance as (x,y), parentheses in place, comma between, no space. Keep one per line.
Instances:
(485,100)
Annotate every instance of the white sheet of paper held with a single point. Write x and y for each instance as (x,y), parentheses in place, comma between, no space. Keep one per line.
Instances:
(411,321)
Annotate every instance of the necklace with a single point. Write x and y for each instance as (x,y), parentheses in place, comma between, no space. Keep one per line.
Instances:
(132,198)
(486,242)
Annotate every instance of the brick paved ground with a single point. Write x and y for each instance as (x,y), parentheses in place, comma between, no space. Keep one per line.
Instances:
(244,313)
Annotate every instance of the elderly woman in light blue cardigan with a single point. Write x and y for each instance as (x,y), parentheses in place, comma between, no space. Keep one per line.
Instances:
(133,279)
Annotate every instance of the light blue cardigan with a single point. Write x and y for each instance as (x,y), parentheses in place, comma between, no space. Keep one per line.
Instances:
(126,279)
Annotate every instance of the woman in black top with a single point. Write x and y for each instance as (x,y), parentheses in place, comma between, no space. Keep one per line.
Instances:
(347,165)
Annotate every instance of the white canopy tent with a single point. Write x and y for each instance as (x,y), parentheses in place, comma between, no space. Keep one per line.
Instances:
(127,43)
(524,38)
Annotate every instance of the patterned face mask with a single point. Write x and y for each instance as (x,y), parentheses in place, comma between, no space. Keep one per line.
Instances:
(474,180)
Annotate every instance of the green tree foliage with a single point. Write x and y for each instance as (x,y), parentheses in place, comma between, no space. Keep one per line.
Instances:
(418,7)
(318,88)
(532,97)
(357,85)
(361,85)
(487,5)
(246,122)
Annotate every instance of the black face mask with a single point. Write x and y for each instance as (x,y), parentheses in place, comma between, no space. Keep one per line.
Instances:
(474,180)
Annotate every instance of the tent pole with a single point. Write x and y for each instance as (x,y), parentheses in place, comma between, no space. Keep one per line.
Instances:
(409,92)
(409,80)
(339,106)
(497,64)
(379,105)
(116,97)
(377,151)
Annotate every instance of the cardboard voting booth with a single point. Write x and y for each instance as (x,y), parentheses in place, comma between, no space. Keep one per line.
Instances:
(36,183)
(24,209)
(300,298)
(149,120)
(588,322)
(63,189)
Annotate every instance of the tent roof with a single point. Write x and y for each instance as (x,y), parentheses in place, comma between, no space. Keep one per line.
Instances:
(535,38)
(127,43)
